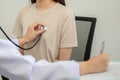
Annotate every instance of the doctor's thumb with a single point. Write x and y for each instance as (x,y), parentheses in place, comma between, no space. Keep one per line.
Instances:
(40,31)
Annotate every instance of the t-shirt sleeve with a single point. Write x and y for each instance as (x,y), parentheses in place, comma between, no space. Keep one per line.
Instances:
(18,30)
(68,31)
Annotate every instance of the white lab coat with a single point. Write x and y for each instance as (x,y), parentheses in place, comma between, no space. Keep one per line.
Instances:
(15,66)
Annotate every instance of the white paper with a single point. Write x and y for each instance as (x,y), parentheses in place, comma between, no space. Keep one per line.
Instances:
(113,73)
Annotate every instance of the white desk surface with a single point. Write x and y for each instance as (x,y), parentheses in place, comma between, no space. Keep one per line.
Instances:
(113,73)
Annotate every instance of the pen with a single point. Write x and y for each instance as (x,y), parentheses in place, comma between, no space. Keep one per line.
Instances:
(102,47)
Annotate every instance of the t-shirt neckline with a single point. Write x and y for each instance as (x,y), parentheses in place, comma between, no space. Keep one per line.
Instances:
(45,11)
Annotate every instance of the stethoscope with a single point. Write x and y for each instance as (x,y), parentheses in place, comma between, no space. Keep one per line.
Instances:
(37,40)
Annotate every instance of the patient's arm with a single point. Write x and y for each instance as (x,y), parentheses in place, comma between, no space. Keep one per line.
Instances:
(64,54)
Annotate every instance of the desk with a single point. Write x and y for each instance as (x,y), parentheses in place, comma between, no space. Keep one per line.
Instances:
(113,73)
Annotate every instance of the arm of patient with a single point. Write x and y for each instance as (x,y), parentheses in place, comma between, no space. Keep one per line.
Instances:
(17,67)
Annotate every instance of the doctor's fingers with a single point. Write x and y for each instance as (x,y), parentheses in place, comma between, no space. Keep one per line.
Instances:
(40,31)
(36,28)
(36,25)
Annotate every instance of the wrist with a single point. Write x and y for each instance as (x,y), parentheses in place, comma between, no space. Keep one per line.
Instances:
(84,69)
(22,41)
(25,40)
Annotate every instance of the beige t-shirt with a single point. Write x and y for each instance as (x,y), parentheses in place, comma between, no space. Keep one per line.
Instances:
(61,30)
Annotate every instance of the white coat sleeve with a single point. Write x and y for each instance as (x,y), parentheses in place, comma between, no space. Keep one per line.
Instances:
(12,64)
(15,66)
(63,70)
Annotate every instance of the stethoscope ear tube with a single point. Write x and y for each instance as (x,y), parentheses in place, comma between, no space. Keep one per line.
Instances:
(39,37)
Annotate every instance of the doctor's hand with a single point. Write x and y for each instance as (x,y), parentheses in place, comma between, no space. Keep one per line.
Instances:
(32,33)
(96,64)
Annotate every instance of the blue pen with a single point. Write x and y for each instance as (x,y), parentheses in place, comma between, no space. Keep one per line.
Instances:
(102,47)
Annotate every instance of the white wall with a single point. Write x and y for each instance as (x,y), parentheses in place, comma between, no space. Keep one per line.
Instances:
(8,13)
(107,13)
